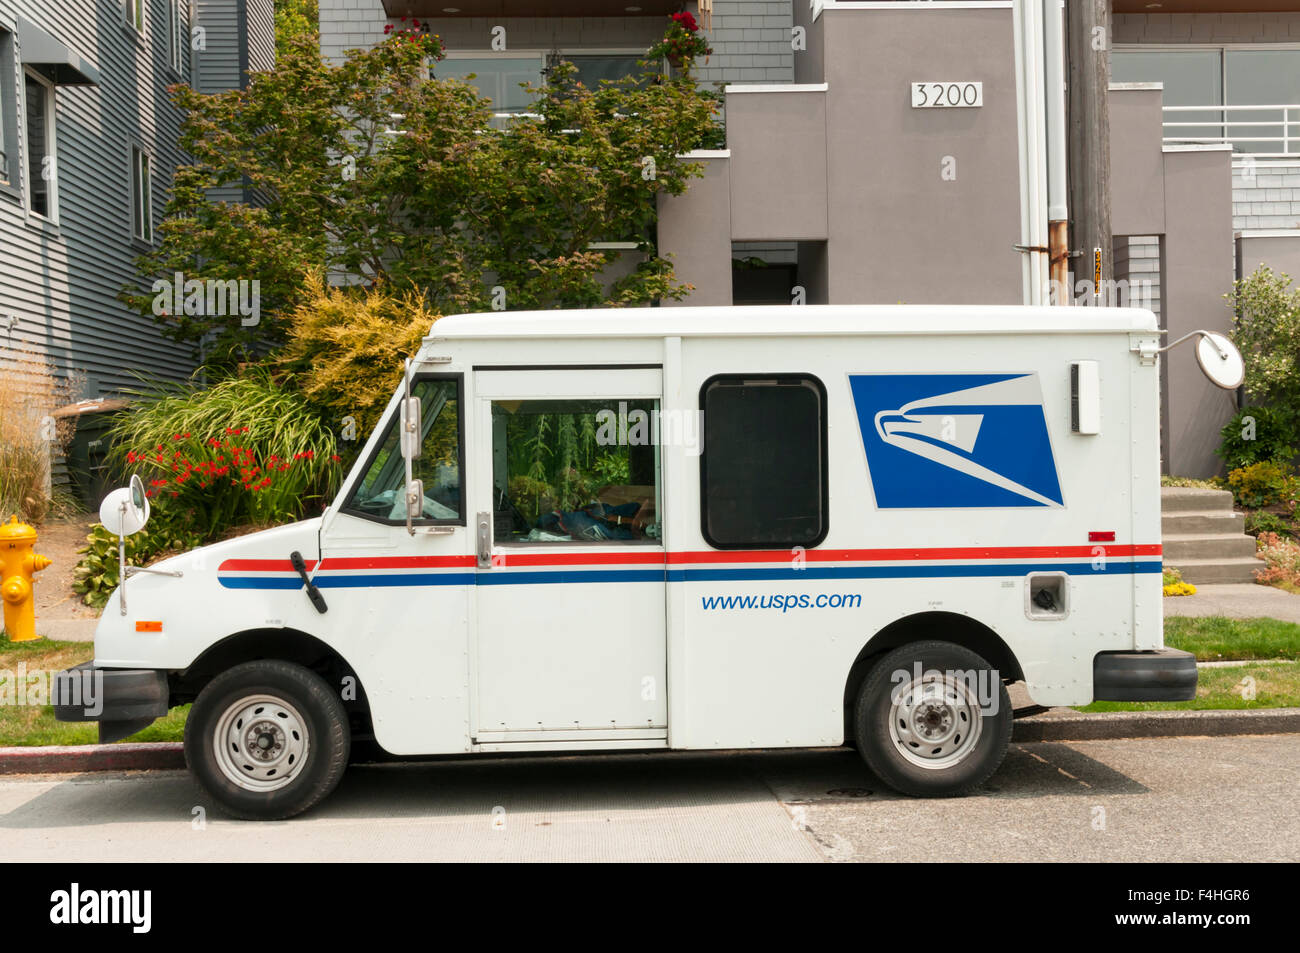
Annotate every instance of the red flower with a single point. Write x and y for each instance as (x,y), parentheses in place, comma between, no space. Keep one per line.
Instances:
(686,19)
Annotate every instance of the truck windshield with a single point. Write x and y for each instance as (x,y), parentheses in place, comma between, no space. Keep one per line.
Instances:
(379,493)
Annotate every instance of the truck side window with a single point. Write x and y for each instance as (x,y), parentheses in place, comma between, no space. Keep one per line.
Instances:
(575,471)
(763,468)
(379,493)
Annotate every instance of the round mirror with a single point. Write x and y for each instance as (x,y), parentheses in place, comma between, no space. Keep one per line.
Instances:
(125,510)
(1220,360)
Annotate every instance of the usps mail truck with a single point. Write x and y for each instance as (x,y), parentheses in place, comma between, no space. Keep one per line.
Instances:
(685,528)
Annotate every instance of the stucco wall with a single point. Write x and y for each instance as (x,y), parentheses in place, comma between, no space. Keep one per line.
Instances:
(897,229)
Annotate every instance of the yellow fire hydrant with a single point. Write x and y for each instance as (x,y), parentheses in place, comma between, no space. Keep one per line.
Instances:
(18,563)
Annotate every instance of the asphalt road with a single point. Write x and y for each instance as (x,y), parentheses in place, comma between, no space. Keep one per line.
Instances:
(1190,799)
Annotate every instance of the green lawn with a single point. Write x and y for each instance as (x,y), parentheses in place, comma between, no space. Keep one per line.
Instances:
(1276,685)
(1214,638)
(28,725)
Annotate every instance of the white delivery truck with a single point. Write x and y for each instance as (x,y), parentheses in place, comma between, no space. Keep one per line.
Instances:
(685,528)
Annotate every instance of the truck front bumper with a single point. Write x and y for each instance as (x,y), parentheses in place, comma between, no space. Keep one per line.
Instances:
(122,700)
(1167,675)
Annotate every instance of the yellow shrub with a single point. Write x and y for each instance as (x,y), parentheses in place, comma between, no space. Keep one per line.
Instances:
(346,348)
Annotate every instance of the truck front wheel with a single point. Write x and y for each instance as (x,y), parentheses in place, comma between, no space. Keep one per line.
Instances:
(933,719)
(267,740)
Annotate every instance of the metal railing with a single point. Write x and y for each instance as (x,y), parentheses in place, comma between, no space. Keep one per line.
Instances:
(1282,128)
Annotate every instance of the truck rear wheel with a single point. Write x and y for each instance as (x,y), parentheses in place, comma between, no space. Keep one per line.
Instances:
(933,719)
(267,740)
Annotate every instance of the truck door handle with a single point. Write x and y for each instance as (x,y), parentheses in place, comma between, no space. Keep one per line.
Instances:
(484,533)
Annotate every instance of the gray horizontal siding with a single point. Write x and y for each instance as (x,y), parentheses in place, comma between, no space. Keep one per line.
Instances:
(62,282)
(217,66)
(261,34)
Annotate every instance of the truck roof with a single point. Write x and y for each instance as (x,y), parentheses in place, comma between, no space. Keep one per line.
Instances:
(792,321)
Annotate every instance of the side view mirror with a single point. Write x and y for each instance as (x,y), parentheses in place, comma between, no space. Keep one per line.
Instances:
(1218,357)
(1220,361)
(125,510)
(414,500)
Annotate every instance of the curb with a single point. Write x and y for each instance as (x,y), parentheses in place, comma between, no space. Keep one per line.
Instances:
(69,759)
(162,756)
(1156,724)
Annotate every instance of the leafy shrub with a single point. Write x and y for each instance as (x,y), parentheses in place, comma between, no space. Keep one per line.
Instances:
(346,349)
(1260,484)
(98,573)
(1267,330)
(1281,558)
(1257,435)
(243,451)
(1262,521)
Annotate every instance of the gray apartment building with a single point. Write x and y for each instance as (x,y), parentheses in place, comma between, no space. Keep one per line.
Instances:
(833,187)
(88,144)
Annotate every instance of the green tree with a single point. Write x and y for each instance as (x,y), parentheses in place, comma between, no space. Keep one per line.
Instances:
(376,168)
(295,18)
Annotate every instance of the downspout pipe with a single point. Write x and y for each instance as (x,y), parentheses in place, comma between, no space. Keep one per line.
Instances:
(1027,23)
(1058,185)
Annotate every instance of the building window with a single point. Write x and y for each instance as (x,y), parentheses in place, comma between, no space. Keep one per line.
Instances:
(135,14)
(763,480)
(141,194)
(8,111)
(39,126)
(498,76)
(1214,77)
(176,30)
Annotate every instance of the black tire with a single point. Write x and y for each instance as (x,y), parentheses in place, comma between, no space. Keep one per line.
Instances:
(884,750)
(317,726)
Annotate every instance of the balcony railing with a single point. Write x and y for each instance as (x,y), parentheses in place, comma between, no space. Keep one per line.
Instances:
(1272,130)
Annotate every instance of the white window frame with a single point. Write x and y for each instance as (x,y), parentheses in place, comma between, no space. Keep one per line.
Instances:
(51,138)
(8,123)
(141,192)
(134,13)
(177,32)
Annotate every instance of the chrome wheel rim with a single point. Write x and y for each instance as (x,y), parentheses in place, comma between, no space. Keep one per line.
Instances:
(935,721)
(261,743)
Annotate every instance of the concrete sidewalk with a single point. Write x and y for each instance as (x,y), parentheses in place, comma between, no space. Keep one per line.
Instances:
(1236,601)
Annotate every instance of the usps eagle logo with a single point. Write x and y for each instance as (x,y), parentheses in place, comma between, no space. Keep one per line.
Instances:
(956,440)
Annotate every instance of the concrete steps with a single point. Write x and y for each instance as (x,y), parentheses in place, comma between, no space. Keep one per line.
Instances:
(1203,537)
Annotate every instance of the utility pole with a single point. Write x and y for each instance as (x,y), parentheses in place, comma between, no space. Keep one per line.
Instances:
(1089,37)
